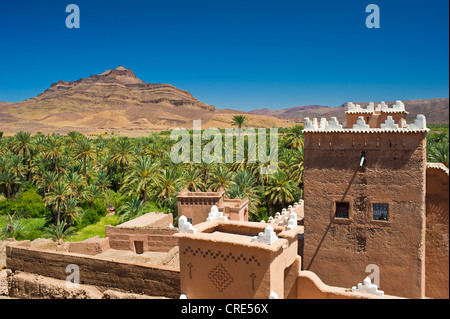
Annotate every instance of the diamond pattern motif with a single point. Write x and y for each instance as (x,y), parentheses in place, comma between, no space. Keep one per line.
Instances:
(220,277)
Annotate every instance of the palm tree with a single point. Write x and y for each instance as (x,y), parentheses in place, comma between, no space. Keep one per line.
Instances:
(46,182)
(57,197)
(221,177)
(294,137)
(130,210)
(23,144)
(439,153)
(52,148)
(245,186)
(167,185)
(75,181)
(122,153)
(16,166)
(59,231)
(239,121)
(142,172)
(8,179)
(192,180)
(102,180)
(280,190)
(85,150)
(90,193)
(297,167)
(71,211)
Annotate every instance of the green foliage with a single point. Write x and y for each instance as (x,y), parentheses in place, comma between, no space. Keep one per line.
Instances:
(438,147)
(30,204)
(90,216)
(6,207)
(59,231)
(23,228)
(94,229)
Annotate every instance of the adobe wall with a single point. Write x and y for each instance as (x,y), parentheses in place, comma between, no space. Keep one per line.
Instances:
(309,286)
(154,239)
(339,251)
(196,208)
(137,278)
(437,234)
(90,246)
(220,261)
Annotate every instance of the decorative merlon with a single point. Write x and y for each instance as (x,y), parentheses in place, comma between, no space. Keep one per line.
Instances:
(267,237)
(419,125)
(398,107)
(292,221)
(184,226)
(389,124)
(215,214)
(361,125)
(368,288)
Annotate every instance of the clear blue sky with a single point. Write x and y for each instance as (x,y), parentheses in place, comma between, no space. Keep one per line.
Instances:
(233,54)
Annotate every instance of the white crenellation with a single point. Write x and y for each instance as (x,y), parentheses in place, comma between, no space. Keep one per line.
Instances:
(398,107)
(292,221)
(184,226)
(215,214)
(361,125)
(334,125)
(368,288)
(267,237)
(389,124)
(420,123)
(323,124)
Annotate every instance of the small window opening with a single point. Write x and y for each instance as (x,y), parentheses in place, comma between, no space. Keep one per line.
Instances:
(342,210)
(380,211)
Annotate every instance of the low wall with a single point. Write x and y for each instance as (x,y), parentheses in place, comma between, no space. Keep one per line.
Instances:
(139,278)
(309,286)
(91,246)
(154,239)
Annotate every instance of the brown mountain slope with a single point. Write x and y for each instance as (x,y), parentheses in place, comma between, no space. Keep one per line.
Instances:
(435,110)
(118,101)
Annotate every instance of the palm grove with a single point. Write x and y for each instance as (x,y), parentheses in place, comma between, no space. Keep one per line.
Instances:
(70,182)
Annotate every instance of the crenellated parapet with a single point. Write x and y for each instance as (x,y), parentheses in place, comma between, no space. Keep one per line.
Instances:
(361,126)
(398,107)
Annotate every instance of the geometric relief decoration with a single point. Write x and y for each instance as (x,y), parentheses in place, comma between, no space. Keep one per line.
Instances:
(219,255)
(220,277)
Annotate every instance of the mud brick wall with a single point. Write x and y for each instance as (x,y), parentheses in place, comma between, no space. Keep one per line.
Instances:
(338,250)
(155,239)
(437,234)
(132,277)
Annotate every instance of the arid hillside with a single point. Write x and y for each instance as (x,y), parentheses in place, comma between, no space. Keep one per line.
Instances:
(116,101)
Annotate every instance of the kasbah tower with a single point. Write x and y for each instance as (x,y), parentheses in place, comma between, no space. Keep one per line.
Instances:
(365,189)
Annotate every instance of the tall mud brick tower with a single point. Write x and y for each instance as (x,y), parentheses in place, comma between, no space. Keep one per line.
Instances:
(365,199)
